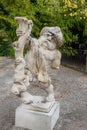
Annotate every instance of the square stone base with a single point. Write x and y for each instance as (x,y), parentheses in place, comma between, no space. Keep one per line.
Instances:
(34,120)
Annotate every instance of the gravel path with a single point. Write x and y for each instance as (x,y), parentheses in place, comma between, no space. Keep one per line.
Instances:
(70,88)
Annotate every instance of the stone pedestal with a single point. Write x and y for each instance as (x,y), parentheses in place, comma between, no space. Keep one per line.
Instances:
(34,120)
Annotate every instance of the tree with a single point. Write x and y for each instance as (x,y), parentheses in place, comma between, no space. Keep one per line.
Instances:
(70,15)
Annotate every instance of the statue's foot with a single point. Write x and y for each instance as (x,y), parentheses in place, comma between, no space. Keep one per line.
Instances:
(50,98)
(38,99)
(26,98)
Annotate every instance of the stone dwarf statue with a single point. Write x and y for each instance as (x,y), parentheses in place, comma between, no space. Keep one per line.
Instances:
(51,39)
(41,52)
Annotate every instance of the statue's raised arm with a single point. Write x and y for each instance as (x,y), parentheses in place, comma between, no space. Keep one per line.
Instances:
(23,33)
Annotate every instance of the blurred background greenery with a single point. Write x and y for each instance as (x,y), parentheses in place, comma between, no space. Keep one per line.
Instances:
(69,15)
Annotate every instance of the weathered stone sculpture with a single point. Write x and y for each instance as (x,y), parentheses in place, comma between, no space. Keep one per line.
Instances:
(41,52)
(51,39)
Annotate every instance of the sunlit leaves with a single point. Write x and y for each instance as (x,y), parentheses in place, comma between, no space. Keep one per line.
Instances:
(70,15)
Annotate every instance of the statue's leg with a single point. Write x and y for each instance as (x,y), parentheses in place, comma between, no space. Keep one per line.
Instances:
(50,93)
(57,59)
(19,77)
(26,97)
(42,74)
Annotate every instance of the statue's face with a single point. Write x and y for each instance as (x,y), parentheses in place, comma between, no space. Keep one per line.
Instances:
(24,26)
(48,36)
(53,34)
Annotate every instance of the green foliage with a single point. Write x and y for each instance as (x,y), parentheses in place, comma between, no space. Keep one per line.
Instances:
(6,48)
(71,16)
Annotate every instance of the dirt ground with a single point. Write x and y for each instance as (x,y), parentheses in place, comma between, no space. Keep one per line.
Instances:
(70,88)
